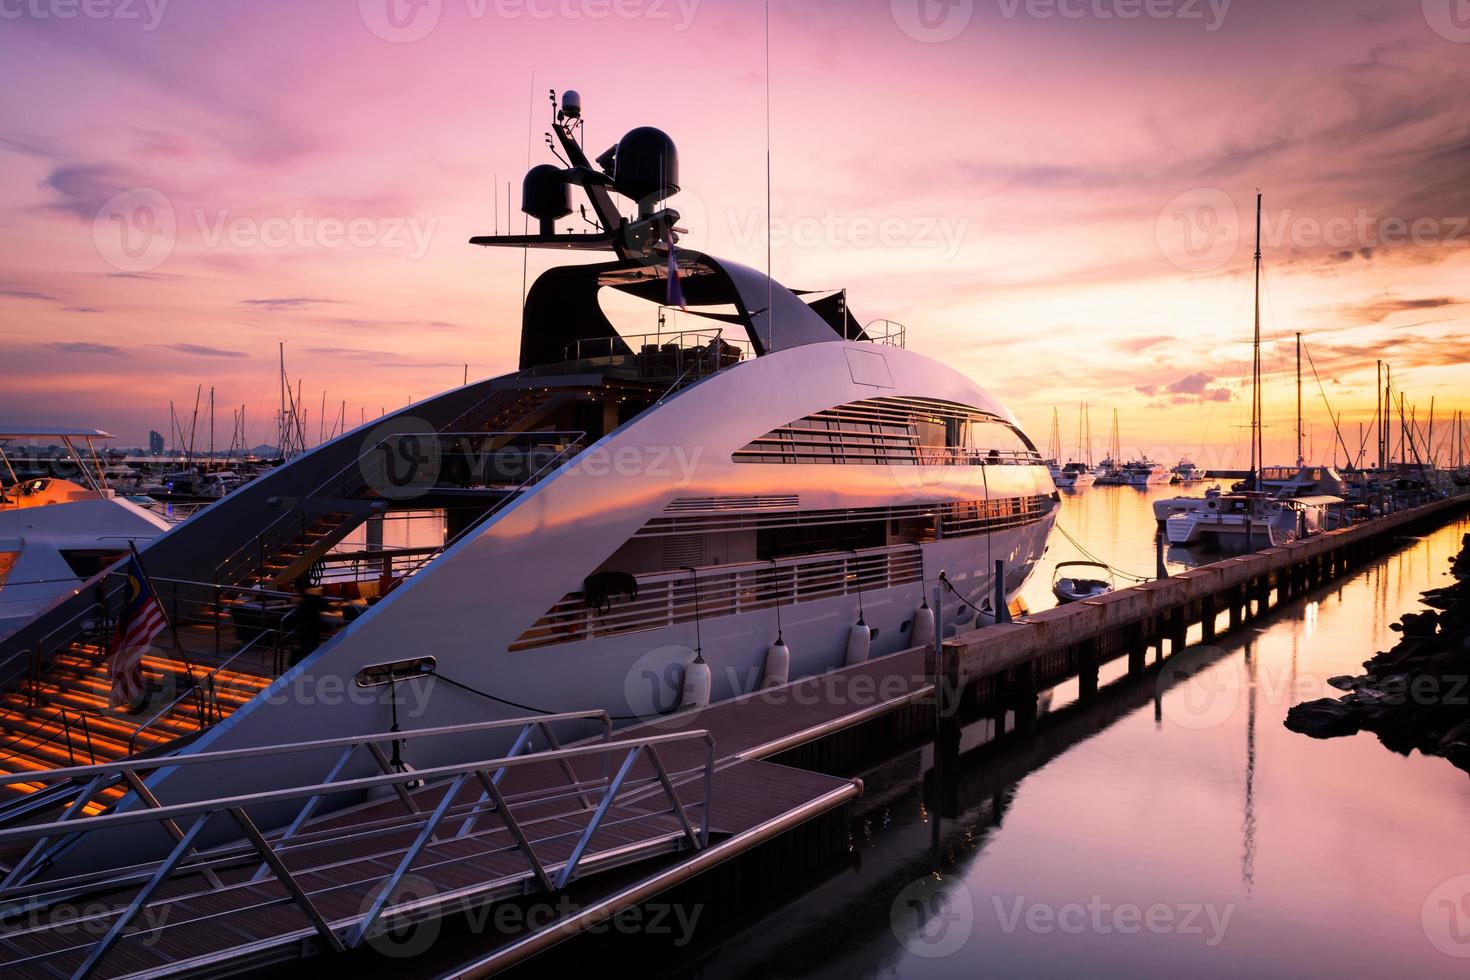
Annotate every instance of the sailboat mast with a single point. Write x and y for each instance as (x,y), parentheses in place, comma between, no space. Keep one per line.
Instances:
(1257,449)
(1300,459)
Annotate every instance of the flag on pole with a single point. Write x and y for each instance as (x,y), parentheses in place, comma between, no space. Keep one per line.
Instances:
(676,291)
(142,619)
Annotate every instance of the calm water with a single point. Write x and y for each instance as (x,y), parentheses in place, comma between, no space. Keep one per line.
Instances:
(1172,827)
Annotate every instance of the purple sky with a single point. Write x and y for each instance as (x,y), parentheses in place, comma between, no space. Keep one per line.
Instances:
(1052,196)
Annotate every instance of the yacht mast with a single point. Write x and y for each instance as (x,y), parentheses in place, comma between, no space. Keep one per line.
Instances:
(1256,448)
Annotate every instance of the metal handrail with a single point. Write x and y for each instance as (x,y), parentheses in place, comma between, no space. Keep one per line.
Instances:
(151,876)
(258,541)
(205,685)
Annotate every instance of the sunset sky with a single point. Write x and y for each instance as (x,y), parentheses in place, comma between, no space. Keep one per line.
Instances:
(1054,196)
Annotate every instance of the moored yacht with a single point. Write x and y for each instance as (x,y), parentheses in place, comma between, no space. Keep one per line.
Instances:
(745,485)
(1075,476)
(1187,472)
(57,533)
(1144,473)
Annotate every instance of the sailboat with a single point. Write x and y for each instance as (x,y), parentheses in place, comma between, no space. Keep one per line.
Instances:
(1077,474)
(1250,514)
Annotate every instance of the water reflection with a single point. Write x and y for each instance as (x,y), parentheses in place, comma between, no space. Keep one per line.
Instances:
(1240,847)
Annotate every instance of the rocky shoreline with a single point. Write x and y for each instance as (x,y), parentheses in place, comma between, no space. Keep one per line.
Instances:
(1417,695)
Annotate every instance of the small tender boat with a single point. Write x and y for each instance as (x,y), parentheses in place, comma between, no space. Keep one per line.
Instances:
(1074,581)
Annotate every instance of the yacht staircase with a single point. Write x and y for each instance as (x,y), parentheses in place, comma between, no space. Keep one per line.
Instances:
(229,638)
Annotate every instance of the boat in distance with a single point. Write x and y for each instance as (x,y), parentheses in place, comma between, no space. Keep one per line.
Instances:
(747,468)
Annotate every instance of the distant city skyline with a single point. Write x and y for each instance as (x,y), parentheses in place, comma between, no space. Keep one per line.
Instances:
(183,192)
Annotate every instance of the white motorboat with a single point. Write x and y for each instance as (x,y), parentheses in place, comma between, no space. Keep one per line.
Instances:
(1074,581)
(55,533)
(1144,473)
(1187,472)
(1075,476)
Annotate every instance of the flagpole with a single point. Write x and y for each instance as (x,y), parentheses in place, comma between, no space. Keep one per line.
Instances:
(173,631)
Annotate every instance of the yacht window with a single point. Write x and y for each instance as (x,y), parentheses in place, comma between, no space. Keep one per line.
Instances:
(400,670)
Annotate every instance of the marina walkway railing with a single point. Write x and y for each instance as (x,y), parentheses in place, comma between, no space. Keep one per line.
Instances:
(520,821)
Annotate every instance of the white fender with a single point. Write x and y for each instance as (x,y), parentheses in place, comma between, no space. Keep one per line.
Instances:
(859,638)
(922,634)
(778,664)
(696,684)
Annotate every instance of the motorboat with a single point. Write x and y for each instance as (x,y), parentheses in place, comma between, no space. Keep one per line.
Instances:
(1166,507)
(1144,473)
(1074,581)
(1075,476)
(55,533)
(1248,520)
(1187,472)
(669,487)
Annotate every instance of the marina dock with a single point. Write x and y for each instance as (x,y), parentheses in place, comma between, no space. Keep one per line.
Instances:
(611,822)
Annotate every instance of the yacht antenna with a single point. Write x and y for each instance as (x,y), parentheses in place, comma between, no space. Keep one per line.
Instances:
(770,284)
(1257,449)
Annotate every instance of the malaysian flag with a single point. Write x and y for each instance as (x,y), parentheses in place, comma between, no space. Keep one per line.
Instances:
(142,620)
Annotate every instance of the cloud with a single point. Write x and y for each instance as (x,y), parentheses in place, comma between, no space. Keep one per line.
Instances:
(85,347)
(1192,385)
(1137,345)
(80,309)
(1378,310)
(28,294)
(284,302)
(84,188)
(199,350)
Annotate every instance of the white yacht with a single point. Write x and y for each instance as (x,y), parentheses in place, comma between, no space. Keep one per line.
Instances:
(1144,473)
(627,506)
(1245,520)
(1187,472)
(1075,476)
(56,533)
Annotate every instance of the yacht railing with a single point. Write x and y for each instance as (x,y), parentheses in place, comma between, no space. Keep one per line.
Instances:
(686,354)
(889,333)
(669,598)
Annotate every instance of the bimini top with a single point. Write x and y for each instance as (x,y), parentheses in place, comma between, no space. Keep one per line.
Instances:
(562,307)
(51,432)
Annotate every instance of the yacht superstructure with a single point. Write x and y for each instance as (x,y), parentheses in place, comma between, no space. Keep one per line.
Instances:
(623,509)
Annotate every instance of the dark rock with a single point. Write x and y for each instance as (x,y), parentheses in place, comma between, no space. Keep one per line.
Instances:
(1455,745)
(1343,682)
(1323,718)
